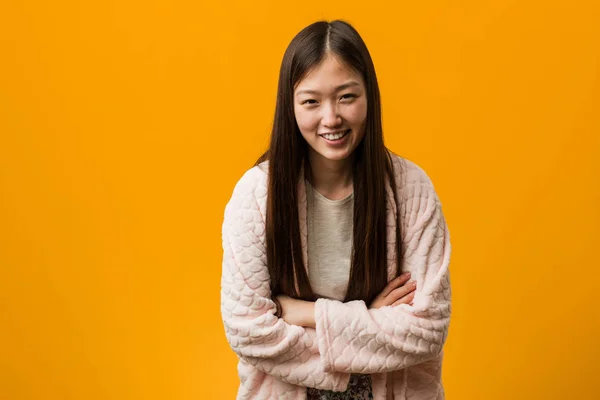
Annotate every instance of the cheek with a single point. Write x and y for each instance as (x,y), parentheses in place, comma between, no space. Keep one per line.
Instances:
(305,120)
(357,113)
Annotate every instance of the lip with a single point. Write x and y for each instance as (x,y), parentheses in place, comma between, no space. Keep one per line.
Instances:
(333,133)
(337,142)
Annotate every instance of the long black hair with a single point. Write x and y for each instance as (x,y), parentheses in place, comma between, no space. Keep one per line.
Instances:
(288,152)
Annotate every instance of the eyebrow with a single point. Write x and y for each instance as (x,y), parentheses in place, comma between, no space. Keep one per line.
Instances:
(337,89)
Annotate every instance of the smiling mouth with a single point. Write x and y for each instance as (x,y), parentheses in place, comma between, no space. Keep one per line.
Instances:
(335,136)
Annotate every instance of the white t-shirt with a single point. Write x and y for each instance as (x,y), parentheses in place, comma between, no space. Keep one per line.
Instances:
(329,243)
(330,225)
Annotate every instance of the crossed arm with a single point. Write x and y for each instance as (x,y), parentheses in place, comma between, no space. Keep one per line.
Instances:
(320,344)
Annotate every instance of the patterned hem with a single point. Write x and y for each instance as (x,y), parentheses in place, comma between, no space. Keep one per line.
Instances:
(359,388)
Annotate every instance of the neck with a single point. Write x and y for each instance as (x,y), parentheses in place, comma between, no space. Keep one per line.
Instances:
(331,177)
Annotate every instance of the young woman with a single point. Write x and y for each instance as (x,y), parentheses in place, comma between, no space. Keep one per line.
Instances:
(335,277)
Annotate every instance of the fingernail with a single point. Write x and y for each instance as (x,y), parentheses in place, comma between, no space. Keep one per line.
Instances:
(404,275)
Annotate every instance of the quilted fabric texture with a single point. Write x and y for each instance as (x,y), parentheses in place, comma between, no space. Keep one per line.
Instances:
(400,346)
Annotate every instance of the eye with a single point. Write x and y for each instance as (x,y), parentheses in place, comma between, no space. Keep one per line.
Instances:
(309,100)
(348,96)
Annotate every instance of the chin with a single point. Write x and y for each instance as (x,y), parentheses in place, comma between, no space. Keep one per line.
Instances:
(335,155)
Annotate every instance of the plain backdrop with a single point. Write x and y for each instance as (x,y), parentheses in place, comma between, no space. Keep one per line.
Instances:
(124,126)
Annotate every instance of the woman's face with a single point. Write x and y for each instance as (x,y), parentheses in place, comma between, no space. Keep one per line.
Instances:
(330,105)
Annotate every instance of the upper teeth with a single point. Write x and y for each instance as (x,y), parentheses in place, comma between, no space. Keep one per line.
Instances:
(334,136)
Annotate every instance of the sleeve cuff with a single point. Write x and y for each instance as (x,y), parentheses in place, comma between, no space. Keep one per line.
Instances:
(323,340)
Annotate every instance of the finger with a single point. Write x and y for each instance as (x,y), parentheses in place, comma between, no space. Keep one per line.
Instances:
(278,308)
(406,299)
(394,283)
(401,291)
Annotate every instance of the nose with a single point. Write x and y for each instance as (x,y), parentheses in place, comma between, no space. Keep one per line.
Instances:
(331,117)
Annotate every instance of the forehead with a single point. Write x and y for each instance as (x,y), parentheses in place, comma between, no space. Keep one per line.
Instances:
(327,75)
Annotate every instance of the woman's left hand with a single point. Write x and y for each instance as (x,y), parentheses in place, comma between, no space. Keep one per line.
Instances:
(297,312)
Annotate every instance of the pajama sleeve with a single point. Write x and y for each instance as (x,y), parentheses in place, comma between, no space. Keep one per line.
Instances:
(355,339)
(287,352)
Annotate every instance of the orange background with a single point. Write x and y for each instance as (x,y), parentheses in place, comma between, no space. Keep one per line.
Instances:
(124,126)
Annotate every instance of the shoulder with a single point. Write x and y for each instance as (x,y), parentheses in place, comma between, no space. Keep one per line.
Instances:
(247,204)
(253,182)
(411,178)
(419,203)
